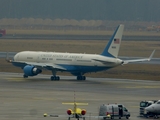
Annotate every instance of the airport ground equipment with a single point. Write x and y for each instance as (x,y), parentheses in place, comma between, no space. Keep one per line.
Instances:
(113,110)
(153,110)
(143,105)
(2,32)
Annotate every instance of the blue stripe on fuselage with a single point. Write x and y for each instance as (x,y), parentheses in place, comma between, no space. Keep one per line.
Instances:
(84,69)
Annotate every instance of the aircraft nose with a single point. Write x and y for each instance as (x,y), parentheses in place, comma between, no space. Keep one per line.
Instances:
(15,57)
(150,108)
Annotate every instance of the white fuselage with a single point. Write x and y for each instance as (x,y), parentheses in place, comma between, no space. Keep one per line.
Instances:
(154,108)
(68,59)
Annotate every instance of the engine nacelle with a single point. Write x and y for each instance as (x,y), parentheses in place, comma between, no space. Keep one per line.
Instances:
(69,111)
(83,112)
(31,70)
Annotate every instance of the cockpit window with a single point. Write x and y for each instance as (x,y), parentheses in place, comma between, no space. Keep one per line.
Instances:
(158,102)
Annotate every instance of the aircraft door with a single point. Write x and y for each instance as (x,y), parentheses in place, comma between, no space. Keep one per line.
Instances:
(95,63)
(38,58)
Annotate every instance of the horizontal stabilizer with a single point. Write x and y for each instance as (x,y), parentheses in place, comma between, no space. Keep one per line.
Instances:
(75,103)
(139,60)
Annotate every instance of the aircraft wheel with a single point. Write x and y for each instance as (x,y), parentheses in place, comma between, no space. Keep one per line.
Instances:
(81,77)
(55,78)
(25,76)
(78,77)
(52,78)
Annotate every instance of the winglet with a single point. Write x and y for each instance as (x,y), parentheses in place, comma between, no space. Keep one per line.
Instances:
(150,57)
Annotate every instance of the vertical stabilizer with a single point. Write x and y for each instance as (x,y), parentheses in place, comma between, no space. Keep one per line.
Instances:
(112,48)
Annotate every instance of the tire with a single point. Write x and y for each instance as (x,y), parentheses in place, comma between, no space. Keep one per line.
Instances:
(25,76)
(83,77)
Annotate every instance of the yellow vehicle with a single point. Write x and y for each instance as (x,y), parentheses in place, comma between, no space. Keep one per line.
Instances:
(72,113)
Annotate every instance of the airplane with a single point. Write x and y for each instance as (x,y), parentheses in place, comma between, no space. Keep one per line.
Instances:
(77,113)
(153,109)
(72,113)
(33,62)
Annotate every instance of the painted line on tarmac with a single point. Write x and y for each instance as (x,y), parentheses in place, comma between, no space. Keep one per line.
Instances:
(135,106)
(142,87)
(16,79)
(39,98)
(21,79)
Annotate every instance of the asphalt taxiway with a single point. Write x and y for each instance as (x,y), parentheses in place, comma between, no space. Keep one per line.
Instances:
(30,98)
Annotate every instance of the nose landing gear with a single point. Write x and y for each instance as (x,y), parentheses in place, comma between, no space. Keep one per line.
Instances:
(54,77)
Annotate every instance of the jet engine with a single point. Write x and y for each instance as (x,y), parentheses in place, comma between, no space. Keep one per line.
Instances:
(31,70)
(69,111)
(83,112)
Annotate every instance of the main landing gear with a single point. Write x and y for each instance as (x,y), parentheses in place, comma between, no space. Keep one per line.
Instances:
(81,77)
(54,77)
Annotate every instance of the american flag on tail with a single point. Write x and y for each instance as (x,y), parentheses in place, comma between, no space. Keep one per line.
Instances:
(116,41)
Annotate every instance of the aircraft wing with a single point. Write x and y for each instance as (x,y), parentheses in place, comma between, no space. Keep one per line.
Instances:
(48,66)
(75,103)
(139,60)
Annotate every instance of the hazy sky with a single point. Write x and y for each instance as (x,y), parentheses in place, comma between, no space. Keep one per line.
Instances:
(144,10)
